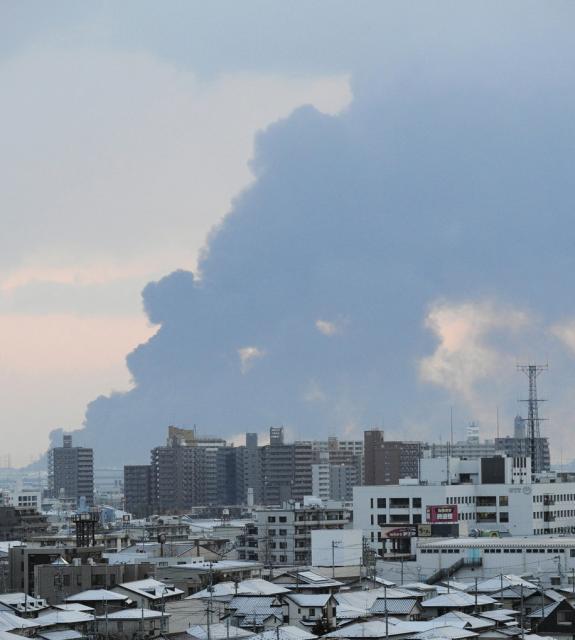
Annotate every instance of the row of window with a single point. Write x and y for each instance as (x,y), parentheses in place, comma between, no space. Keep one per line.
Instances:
(550,498)
(395,503)
(491,516)
(562,513)
(505,550)
(382,519)
(480,501)
(548,530)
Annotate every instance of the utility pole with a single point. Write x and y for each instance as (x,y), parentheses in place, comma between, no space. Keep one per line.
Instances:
(334,544)
(209,618)
(386,614)
(475,608)
(521,616)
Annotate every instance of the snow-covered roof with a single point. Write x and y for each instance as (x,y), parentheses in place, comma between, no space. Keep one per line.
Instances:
(309,599)
(258,586)
(505,542)
(455,584)
(63,634)
(457,599)
(393,606)
(446,632)
(286,632)
(6,635)
(58,616)
(311,580)
(461,619)
(73,606)
(151,589)
(218,631)
(96,595)
(502,582)
(419,586)
(373,629)
(134,614)
(10,621)
(547,610)
(22,602)
(255,610)
(227,590)
(500,615)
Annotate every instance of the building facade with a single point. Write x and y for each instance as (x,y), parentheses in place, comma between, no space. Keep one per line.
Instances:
(489,494)
(282,535)
(388,461)
(71,472)
(138,490)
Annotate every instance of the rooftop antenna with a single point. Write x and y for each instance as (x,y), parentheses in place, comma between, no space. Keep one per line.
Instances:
(497,422)
(533,420)
(451,424)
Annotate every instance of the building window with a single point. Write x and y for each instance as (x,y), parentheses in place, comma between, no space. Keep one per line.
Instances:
(271,518)
(417,518)
(486,501)
(504,516)
(503,501)
(283,519)
(416,503)
(381,503)
(486,516)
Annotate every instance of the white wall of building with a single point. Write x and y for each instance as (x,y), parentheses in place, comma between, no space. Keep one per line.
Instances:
(520,509)
(346,550)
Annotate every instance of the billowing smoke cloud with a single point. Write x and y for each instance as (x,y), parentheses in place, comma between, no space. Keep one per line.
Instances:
(347,286)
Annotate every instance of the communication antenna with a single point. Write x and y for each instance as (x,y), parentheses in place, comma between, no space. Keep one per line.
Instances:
(533,420)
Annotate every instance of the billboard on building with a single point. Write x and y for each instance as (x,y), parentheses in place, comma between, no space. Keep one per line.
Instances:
(441,513)
(407,531)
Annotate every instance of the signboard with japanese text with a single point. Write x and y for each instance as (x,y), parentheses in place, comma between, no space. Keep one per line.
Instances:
(441,513)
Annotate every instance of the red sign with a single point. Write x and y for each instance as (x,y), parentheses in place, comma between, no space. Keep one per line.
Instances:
(441,513)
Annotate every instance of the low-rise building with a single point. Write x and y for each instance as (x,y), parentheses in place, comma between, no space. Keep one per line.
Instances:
(282,535)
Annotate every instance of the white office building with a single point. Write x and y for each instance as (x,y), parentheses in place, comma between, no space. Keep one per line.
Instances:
(489,494)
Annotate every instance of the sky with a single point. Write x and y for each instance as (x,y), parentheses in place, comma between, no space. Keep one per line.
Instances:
(318,214)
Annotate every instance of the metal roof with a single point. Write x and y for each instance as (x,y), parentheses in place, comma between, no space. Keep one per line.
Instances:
(394,606)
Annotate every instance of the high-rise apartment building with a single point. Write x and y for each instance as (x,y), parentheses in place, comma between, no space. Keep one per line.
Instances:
(188,471)
(71,472)
(138,490)
(388,461)
(515,447)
